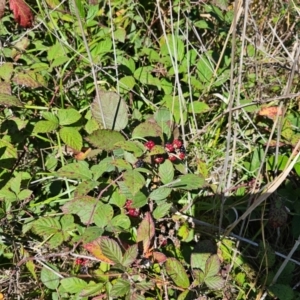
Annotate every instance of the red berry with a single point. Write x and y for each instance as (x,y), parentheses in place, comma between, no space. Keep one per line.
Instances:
(172,157)
(159,159)
(128,204)
(177,143)
(181,155)
(133,212)
(169,147)
(149,145)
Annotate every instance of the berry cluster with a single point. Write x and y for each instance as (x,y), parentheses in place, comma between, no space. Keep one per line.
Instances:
(132,212)
(175,150)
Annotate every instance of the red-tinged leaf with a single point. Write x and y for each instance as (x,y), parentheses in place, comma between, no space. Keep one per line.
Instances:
(95,249)
(22,13)
(159,257)
(146,231)
(2,8)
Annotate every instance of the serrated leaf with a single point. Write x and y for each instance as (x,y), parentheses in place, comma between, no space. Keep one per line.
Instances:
(198,276)
(215,282)
(91,289)
(120,222)
(105,249)
(148,128)
(161,210)
(71,137)
(73,285)
(85,187)
(188,182)
(24,194)
(136,148)
(5,88)
(130,255)
(68,116)
(105,139)
(103,214)
(46,226)
(212,266)
(49,278)
(177,272)
(166,172)
(10,100)
(29,79)
(83,207)
(134,181)
(120,288)
(146,232)
(78,170)
(198,260)
(110,111)
(160,194)
(44,127)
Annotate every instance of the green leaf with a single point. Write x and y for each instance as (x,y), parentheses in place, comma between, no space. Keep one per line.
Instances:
(212,266)
(177,272)
(10,100)
(131,146)
(198,277)
(144,76)
(134,181)
(24,194)
(166,172)
(205,69)
(160,194)
(110,111)
(120,34)
(73,285)
(148,128)
(44,127)
(188,182)
(161,210)
(130,255)
(215,282)
(198,260)
(45,226)
(57,50)
(105,139)
(15,183)
(127,83)
(120,288)
(71,137)
(68,116)
(174,46)
(119,222)
(198,107)
(103,214)
(83,207)
(6,71)
(49,278)
(91,289)
(78,170)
